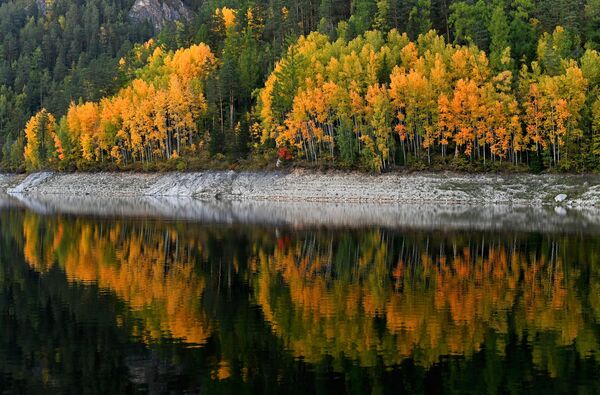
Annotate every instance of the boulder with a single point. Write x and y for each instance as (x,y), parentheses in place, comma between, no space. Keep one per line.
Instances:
(560,198)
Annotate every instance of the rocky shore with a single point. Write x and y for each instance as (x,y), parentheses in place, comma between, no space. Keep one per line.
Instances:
(307,186)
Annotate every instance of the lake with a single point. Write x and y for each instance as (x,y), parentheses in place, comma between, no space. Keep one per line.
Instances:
(236,303)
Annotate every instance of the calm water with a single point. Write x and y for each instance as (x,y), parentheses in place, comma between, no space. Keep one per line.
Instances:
(97,305)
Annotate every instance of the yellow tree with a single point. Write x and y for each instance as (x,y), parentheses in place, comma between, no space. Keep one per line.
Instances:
(378,141)
(460,115)
(573,86)
(84,122)
(40,138)
(228,17)
(142,118)
(553,111)
(185,106)
(162,124)
(533,117)
(502,118)
(415,106)
(111,126)
(301,130)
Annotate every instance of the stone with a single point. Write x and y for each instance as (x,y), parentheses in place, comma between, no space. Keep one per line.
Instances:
(560,198)
(159,12)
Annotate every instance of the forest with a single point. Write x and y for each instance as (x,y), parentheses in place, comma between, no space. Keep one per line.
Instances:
(366,84)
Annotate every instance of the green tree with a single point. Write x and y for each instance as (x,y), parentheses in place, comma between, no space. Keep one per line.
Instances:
(419,19)
(522,32)
(470,23)
(363,12)
(592,23)
(499,37)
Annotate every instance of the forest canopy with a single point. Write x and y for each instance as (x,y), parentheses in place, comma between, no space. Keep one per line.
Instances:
(362,84)
(381,99)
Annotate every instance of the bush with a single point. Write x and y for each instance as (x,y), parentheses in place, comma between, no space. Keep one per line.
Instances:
(181,165)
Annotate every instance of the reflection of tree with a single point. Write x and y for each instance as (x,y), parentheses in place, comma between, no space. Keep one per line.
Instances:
(150,268)
(380,294)
(38,251)
(60,336)
(50,338)
(372,298)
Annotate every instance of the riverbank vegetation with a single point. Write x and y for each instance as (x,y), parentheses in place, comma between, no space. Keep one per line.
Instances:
(381,100)
(502,86)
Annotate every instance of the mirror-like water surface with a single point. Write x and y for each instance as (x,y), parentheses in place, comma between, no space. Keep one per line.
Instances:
(99,305)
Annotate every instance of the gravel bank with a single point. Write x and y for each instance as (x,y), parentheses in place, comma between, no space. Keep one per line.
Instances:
(307,186)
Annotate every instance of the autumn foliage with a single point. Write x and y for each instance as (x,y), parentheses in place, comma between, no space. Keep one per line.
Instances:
(383,99)
(157,116)
(42,141)
(376,101)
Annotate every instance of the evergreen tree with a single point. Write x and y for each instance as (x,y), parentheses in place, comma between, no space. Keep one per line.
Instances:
(363,12)
(523,37)
(499,37)
(419,19)
(592,24)
(470,23)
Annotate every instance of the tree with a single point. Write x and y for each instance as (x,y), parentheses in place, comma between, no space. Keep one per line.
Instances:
(419,18)
(592,23)
(415,105)
(470,23)
(522,31)
(552,49)
(378,141)
(40,139)
(381,21)
(499,38)
(362,14)
(596,129)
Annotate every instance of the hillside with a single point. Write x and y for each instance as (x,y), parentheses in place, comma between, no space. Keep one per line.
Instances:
(70,57)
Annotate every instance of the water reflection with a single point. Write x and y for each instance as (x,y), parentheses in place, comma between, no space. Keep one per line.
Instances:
(319,214)
(185,306)
(421,297)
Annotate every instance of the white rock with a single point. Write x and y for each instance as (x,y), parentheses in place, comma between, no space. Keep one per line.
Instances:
(560,198)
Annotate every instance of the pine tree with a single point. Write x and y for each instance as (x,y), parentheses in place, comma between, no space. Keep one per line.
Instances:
(499,37)
(592,24)
(522,32)
(419,19)
(362,15)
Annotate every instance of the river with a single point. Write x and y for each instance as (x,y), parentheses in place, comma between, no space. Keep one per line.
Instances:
(259,300)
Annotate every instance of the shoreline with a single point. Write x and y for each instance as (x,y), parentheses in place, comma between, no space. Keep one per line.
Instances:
(311,215)
(582,191)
